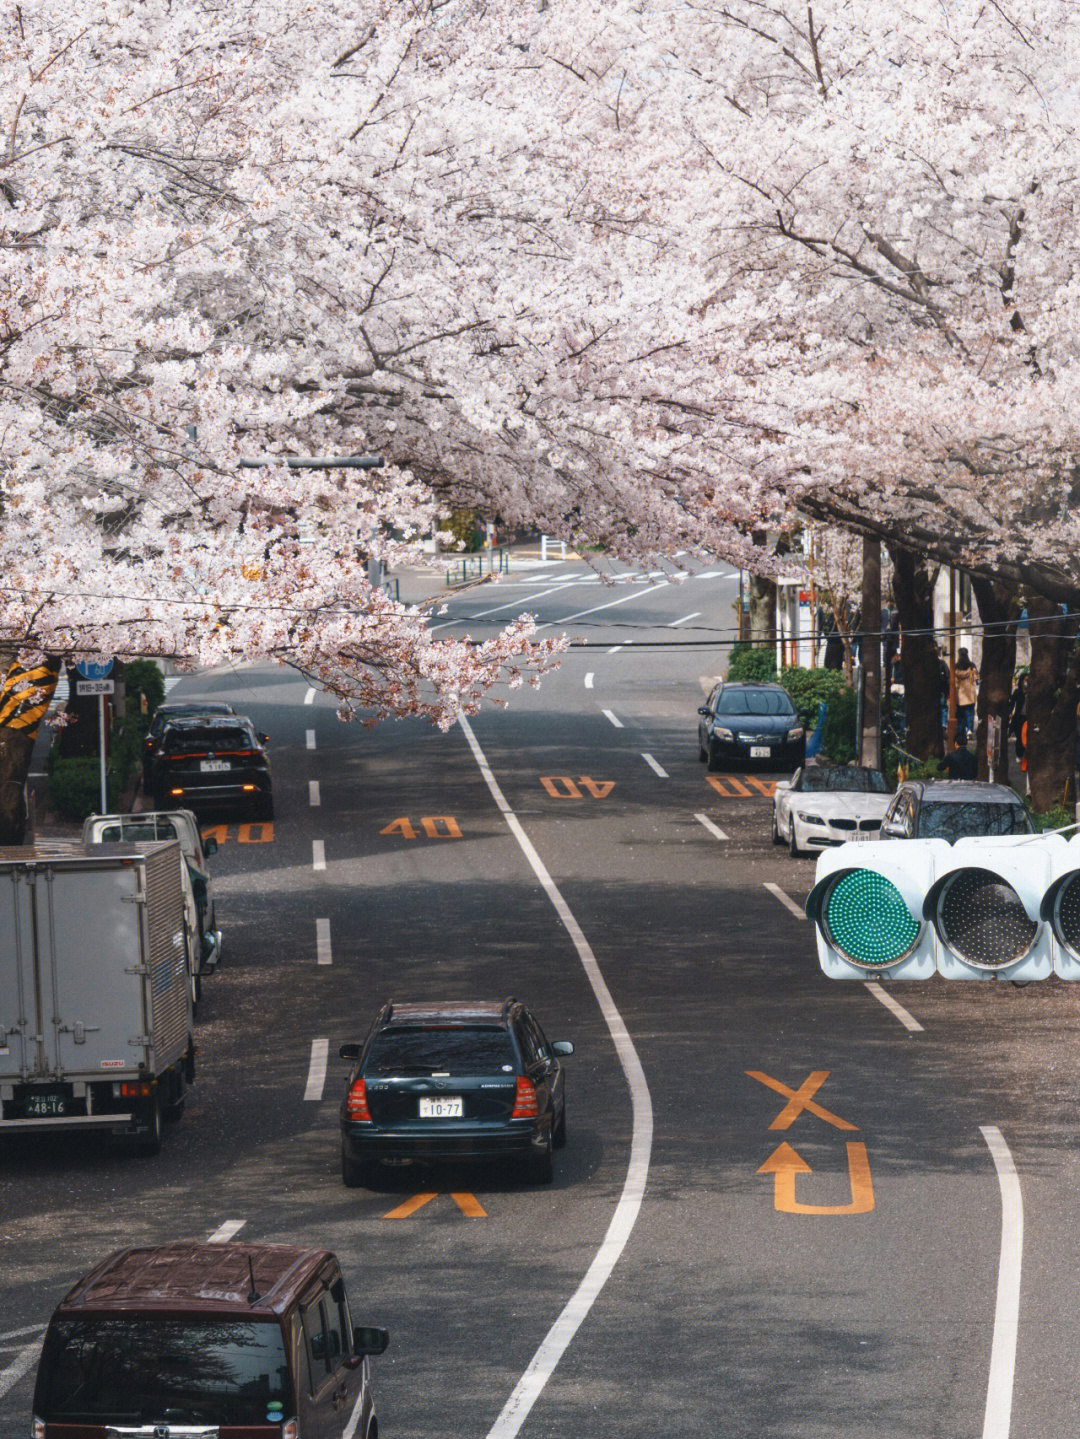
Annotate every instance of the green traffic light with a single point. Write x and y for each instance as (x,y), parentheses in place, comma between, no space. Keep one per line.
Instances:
(867,920)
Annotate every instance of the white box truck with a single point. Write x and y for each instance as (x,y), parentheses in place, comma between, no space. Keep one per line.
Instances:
(95,990)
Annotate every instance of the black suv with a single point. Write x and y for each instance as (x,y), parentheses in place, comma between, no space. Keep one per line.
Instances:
(743,723)
(451,1081)
(170,710)
(212,759)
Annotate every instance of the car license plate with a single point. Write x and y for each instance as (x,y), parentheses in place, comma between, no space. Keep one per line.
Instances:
(44,1106)
(446,1106)
(863,834)
(213,766)
(760,751)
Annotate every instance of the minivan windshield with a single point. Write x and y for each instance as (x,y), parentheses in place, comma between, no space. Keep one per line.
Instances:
(441,1049)
(145,1369)
(754,702)
(941,820)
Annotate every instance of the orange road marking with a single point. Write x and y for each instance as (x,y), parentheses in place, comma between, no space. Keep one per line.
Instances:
(245,834)
(800,1099)
(766,786)
(552,781)
(401,826)
(220,832)
(598,788)
(431,824)
(786,1165)
(738,789)
(469,1205)
(403,1211)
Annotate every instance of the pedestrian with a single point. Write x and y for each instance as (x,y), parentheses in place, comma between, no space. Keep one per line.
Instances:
(961,764)
(943,688)
(1018,712)
(967,687)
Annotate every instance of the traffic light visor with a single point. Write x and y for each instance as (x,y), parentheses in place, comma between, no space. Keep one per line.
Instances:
(865,918)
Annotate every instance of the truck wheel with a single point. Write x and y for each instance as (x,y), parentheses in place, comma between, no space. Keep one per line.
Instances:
(149,1143)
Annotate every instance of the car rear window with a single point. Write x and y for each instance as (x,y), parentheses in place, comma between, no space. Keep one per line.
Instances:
(197,739)
(442,1049)
(144,1370)
(754,702)
(941,820)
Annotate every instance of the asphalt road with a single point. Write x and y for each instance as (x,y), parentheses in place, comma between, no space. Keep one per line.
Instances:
(725,1314)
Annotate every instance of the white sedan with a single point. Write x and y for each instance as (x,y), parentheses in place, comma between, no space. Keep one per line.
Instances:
(824,805)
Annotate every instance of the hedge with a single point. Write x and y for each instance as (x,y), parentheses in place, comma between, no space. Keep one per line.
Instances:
(143,679)
(758,665)
(811,688)
(75,787)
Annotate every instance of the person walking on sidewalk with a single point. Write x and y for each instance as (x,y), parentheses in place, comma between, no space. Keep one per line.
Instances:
(967,688)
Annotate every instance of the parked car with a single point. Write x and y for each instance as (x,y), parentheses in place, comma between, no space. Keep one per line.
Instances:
(213,760)
(828,804)
(449,1081)
(174,709)
(741,723)
(954,809)
(197,1339)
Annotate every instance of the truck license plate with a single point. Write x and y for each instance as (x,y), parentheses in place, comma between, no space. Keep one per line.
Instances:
(447,1106)
(44,1106)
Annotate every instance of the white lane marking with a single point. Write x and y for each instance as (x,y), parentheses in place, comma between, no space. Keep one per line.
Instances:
(554,1345)
(316,1075)
(589,680)
(311,739)
(318,854)
(323,954)
(999,1390)
(656,768)
(19,1333)
(786,900)
(510,604)
(714,829)
(910,1023)
(615,720)
(314,798)
(685,619)
(226,1232)
(614,650)
(633,595)
(309,698)
(19,1367)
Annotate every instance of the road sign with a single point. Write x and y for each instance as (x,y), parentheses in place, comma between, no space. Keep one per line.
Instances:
(95,687)
(92,670)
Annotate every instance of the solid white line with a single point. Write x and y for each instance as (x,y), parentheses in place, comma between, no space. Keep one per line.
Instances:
(558,1338)
(311,739)
(633,595)
(786,900)
(230,1228)
(19,1366)
(714,829)
(910,1023)
(695,616)
(314,798)
(589,680)
(322,942)
(316,1075)
(615,720)
(999,1390)
(309,698)
(318,854)
(656,768)
(510,604)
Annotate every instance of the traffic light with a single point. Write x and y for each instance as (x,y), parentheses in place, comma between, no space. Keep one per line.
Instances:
(983,908)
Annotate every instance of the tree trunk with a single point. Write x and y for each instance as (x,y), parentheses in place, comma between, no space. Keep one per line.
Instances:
(1053,690)
(16,747)
(997,607)
(870,649)
(913,594)
(24,700)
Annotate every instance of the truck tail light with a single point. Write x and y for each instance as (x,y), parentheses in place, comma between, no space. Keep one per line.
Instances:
(525,1105)
(249,787)
(130,1089)
(290,1429)
(176,791)
(356,1105)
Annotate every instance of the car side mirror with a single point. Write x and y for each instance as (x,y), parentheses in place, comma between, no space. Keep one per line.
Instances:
(894,830)
(368,1340)
(210,845)
(782,784)
(349,1051)
(704,711)
(562,1046)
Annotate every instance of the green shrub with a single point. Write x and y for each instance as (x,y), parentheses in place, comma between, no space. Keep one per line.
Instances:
(125,751)
(809,689)
(142,678)
(756,664)
(75,787)
(1056,818)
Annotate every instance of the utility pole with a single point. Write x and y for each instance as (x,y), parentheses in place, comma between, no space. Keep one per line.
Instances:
(870,737)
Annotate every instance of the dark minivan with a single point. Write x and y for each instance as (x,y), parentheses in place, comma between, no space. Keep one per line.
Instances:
(207,1341)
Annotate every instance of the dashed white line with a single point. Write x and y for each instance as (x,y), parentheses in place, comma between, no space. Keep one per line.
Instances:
(614,650)
(786,900)
(589,680)
(19,1366)
(323,953)
(226,1232)
(714,829)
(309,698)
(318,854)
(615,720)
(314,798)
(656,768)
(910,1023)
(685,619)
(999,1390)
(311,739)
(316,1078)
(580,614)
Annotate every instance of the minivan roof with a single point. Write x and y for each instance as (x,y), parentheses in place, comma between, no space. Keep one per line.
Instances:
(186,1277)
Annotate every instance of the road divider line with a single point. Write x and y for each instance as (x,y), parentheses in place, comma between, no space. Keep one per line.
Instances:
(657,769)
(786,900)
(19,1367)
(615,720)
(685,620)
(318,854)
(316,1077)
(999,1390)
(227,1231)
(309,698)
(910,1023)
(559,1337)
(714,829)
(311,739)
(314,797)
(322,942)
(589,680)
(580,614)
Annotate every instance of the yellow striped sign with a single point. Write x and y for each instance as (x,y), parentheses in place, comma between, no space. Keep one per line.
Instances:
(25,696)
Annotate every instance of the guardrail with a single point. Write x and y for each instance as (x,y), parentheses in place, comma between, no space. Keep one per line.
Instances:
(470,567)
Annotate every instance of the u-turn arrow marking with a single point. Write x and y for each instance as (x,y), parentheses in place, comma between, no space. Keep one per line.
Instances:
(786,1165)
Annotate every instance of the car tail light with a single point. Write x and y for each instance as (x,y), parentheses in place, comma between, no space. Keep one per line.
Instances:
(356,1105)
(525,1105)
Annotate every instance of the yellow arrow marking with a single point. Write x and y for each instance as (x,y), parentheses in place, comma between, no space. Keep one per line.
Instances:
(801,1098)
(786,1165)
(469,1205)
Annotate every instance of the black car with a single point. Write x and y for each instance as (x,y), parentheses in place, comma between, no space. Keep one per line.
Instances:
(170,710)
(213,760)
(743,723)
(453,1081)
(954,809)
